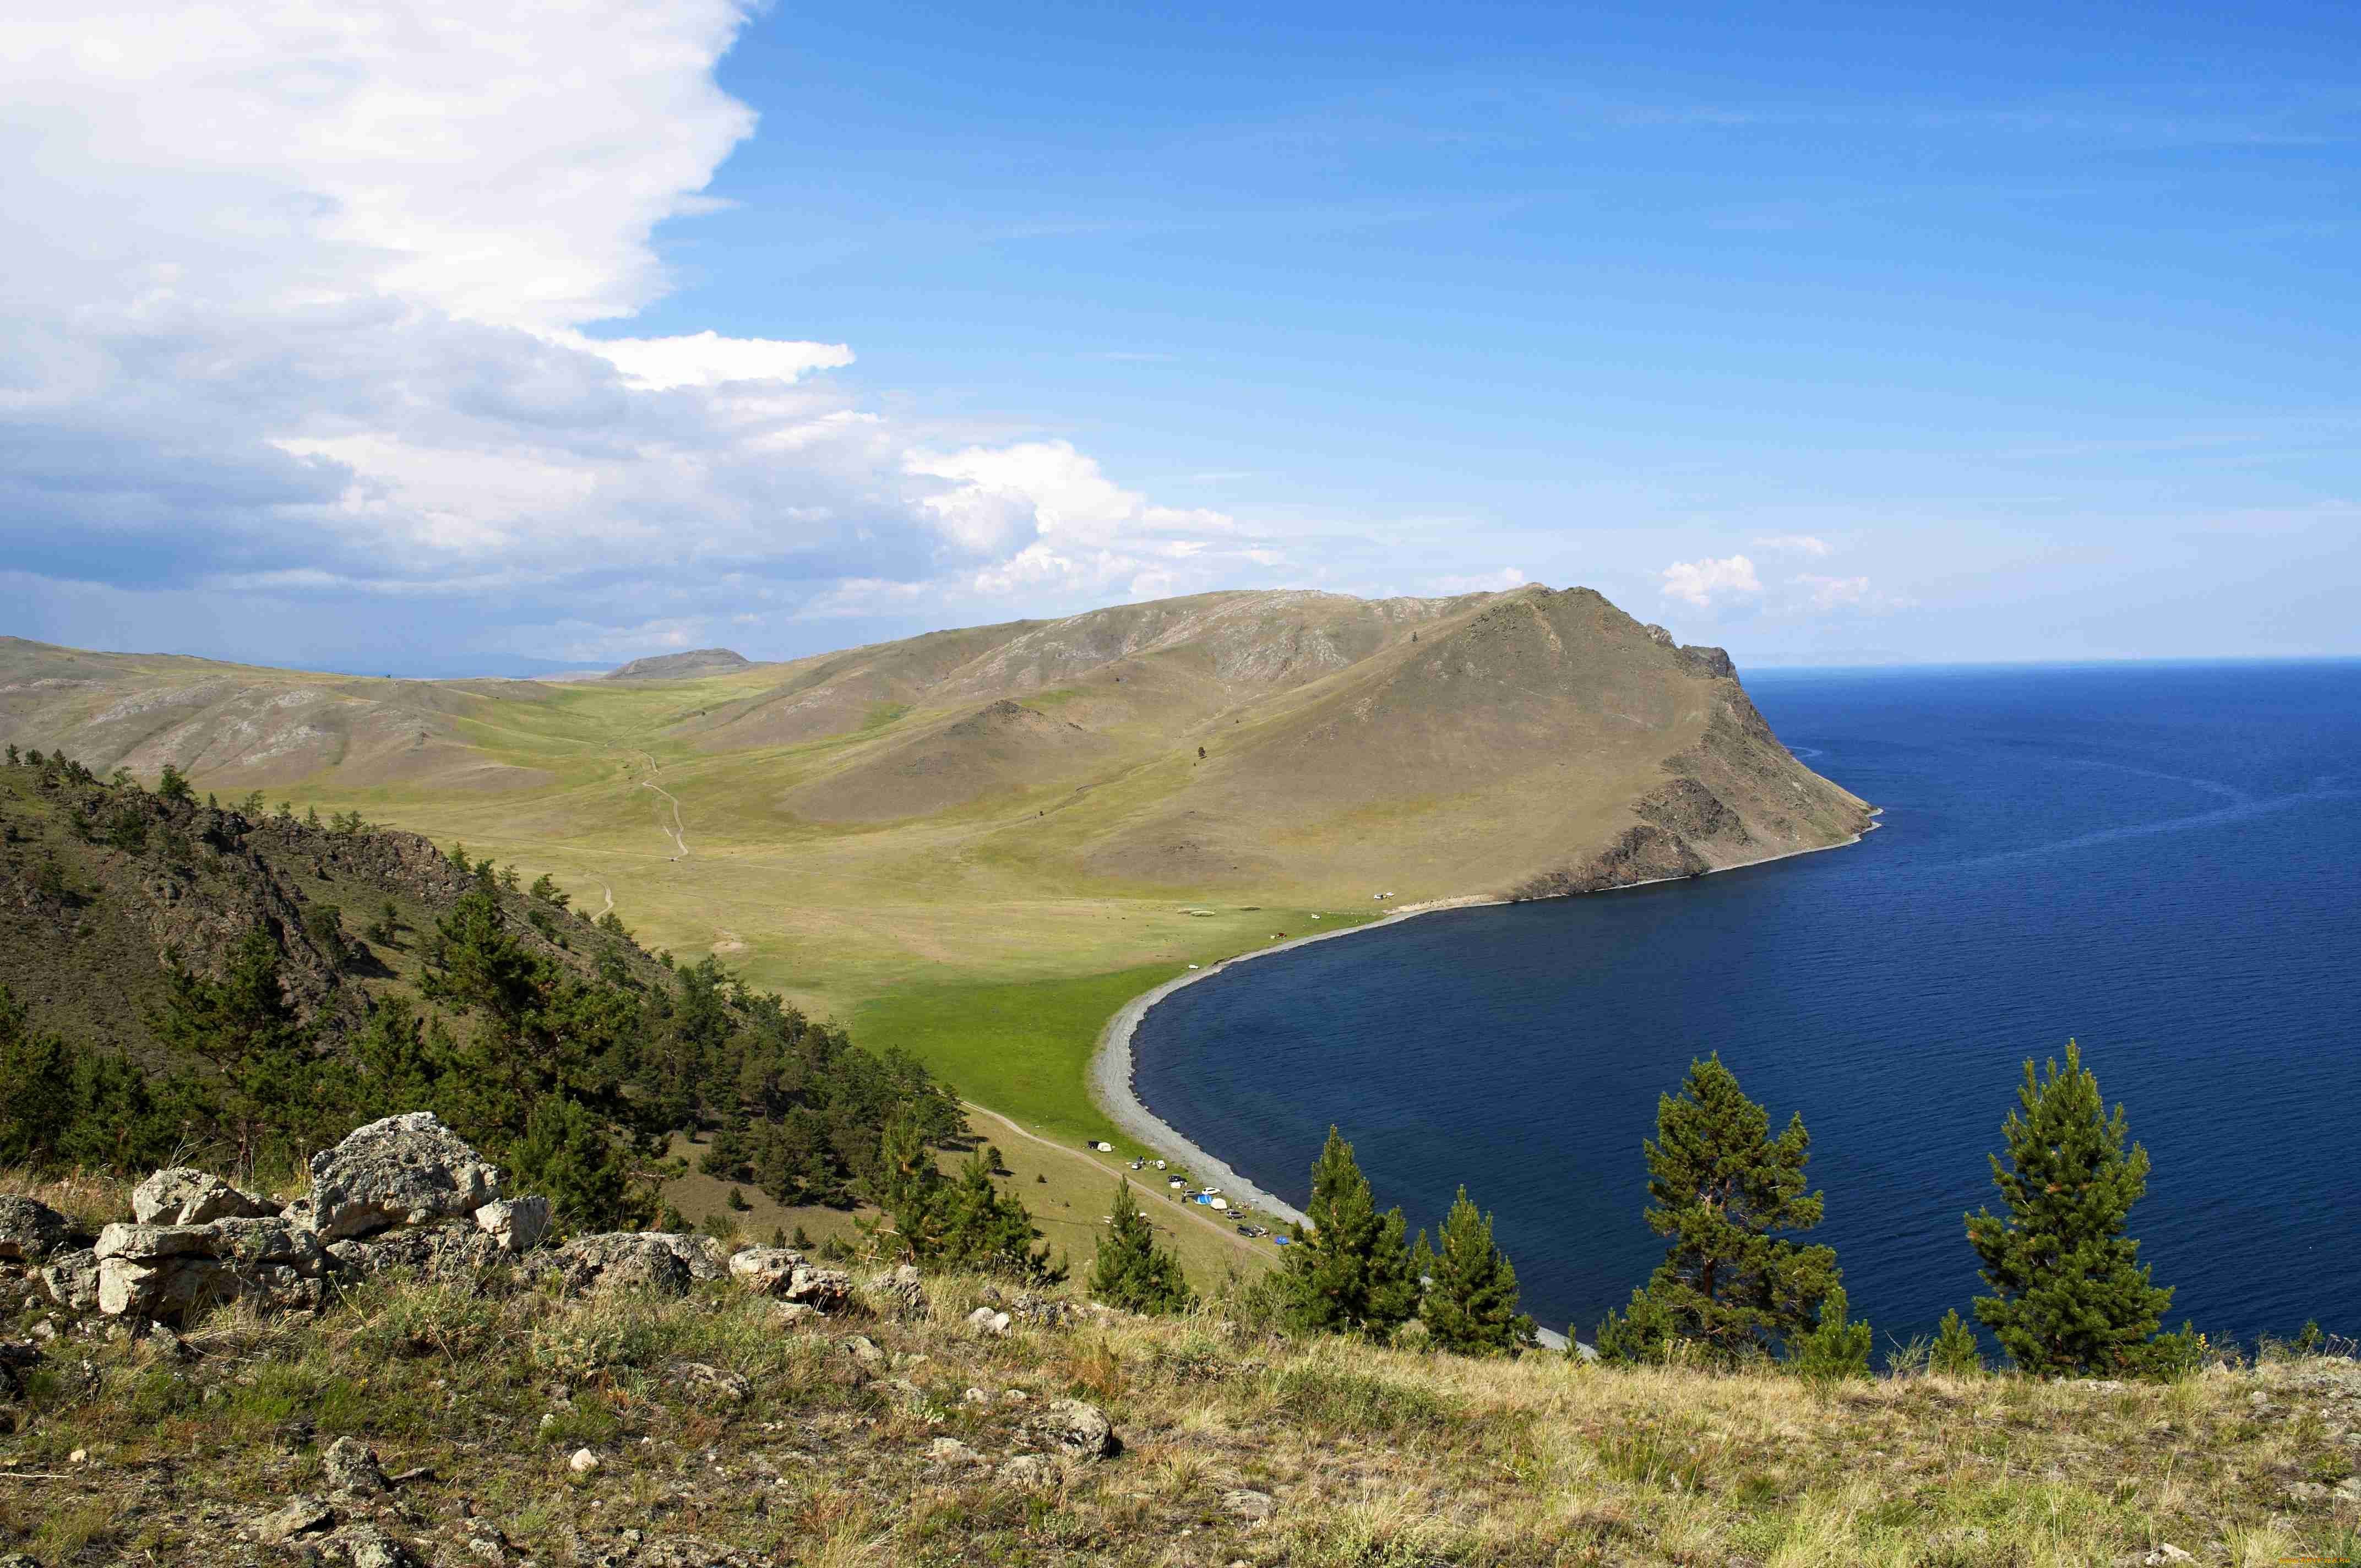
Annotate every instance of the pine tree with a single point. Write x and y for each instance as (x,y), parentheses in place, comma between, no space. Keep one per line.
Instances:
(1723,1185)
(568,1156)
(1351,1272)
(1470,1307)
(1832,1348)
(1956,1353)
(1131,1271)
(272,1091)
(2068,1292)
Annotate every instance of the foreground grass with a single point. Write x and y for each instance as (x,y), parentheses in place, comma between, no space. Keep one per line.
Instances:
(1368,1456)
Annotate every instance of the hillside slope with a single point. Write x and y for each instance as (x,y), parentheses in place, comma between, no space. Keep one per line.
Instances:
(900,833)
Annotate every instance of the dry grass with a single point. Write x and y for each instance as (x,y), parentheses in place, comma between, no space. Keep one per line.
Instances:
(1373,1456)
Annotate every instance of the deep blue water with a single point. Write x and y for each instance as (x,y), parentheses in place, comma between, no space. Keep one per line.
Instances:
(2157,859)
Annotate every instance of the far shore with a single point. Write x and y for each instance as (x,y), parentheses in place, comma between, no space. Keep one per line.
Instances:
(1113,1066)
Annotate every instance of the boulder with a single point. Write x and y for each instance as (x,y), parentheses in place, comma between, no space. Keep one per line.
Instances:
(72,1280)
(298,1517)
(953,1452)
(169,1271)
(764,1270)
(984,1320)
(901,1293)
(449,1253)
(30,1231)
(353,1469)
(1031,1473)
(517,1224)
(366,1546)
(403,1170)
(651,1260)
(1078,1429)
(707,1383)
(181,1196)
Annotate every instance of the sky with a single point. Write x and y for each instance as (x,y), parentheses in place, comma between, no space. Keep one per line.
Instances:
(431,337)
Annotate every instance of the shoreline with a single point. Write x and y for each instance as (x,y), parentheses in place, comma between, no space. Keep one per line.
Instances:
(1114,1065)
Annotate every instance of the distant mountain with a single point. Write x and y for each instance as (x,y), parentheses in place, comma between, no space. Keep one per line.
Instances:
(1283,744)
(682,666)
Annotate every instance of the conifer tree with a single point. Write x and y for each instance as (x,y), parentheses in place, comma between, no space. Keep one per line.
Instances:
(1470,1306)
(1351,1272)
(1955,1352)
(1131,1271)
(1722,1186)
(1832,1348)
(2068,1294)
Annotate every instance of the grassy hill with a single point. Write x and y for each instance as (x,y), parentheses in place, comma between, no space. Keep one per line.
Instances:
(976,843)
(724,1439)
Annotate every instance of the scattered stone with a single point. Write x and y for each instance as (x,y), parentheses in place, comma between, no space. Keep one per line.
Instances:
(1079,1430)
(787,1314)
(975,1396)
(403,1170)
(70,1278)
(951,1451)
(16,1357)
(583,1463)
(79,1456)
(491,1546)
(900,1291)
(1249,1505)
(417,1475)
(707,1382)
(181,1196)
(30,1231)
(366,1546)
(517,1224)
(2308,1492)
(353,1469)
(785,1273)
(1031,1472)
(1015,1396)
(984,1320)
(2166,1554)
(863,1352)
(301,1516)
(295,1435)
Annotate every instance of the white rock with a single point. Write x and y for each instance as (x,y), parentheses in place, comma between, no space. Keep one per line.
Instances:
(583,1463)
(517,1224)
(984,1320)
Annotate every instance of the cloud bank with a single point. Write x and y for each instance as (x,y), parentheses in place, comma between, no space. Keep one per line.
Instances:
(312,305)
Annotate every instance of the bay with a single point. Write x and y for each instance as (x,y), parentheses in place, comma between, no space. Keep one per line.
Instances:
(2157,859)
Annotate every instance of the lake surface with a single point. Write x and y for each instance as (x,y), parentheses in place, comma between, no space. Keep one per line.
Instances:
(2159,860)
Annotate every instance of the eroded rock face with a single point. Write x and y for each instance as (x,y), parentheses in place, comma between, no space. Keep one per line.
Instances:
(901,1292)
(403,1170)
(430,1251)
(167,1271)
(30,1231)
(181,1196)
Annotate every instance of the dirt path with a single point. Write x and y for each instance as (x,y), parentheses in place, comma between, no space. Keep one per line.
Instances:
(1188,1211)
(678,831)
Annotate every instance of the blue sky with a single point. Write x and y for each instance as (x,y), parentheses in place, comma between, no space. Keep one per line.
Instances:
(1830,334)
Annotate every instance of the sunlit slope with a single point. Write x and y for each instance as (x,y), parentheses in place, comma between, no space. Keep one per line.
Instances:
(1034,800)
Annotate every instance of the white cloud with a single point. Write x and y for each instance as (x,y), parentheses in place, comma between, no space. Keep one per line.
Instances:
(1849,593)
(1498,582)
(300,300)
(1701,583)
(1794,545)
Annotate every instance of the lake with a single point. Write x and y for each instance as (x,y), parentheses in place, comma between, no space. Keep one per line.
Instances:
(2157,859)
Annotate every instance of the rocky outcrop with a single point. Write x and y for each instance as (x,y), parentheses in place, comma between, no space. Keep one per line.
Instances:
(70,1279)
(518,1224)
(1646,853)
(650,1260)
(167,1272)
(181,1196)
(403,1170)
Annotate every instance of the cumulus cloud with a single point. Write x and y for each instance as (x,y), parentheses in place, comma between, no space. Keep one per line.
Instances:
(308,300)
(1794,545)
(1705,582)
